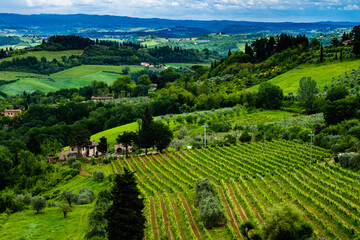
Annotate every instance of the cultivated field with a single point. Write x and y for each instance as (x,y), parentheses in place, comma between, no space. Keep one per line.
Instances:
(49,55)
(322,74)
(250,178)
(71,78)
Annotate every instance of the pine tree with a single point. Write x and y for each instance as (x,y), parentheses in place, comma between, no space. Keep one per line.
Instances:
(124,216)
(33,144)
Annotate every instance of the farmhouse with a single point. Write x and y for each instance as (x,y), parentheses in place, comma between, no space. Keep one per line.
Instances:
(12,112)
(95,99)
(88,151)
(145,64)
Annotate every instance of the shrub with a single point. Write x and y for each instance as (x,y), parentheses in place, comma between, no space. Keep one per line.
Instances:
(229,139)
(38,203)
(183,132)
(83,199)
(69,196)
(99,175)
(88,192)
(220,127)
(245,137)
(344,159)
(76,165)
(354,161)
(71,160)
(107,161)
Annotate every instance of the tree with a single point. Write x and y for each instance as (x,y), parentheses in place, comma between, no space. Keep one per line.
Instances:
(123,83)
(124,216)
(321,53)
(339,110)
(284,222)
(145,135)
(5,166)
(335,42)
(126,139)
(38,203)
(103,145)
(64,208)
(144,80)
(307,90)
(33,144)
(269,96)
(229,53)
(69,196)
(79,137)
(356,48)
(336,93)
(162,135)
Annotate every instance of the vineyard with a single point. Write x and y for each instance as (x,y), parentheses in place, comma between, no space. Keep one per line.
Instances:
(250,178)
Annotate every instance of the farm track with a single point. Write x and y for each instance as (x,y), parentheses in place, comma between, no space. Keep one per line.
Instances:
(233,223)
(154,225)
(165,217)
(193,224)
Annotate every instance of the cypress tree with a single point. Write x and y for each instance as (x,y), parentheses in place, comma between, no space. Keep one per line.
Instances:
(124,216)
(321,54)
(229,53)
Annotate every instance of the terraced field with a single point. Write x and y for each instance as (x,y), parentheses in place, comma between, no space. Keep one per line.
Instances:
(250,178)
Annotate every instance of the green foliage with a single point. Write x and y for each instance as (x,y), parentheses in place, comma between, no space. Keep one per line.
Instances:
(38,204)
(336,93)
(210,212)
(127,138)
(99,175)
(103,145)
(71,160)
(283,222)
(307,90)
(5,165)
(76,165)
(65,208)
(69,196)
(269,96)
(245,137)
(126,209)
(162,135)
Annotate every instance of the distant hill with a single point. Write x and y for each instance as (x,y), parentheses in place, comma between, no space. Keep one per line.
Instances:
(96,25)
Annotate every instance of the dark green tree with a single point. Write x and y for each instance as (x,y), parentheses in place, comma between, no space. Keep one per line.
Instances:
(229,53)
(33,144)
(124,216)
(38,203)
(5,165)
(103,145)
(284,222)
(145,135)
(269,96)
(321,53)
(162,135)
(307,90)
(126,139)
(69,196)
(79,137)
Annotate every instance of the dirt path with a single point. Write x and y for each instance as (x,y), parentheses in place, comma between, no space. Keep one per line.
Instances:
(85,173)
(233,223)
(165,217)
(240,209)
(256,213)
(154,225)
(177,218)
(190,216)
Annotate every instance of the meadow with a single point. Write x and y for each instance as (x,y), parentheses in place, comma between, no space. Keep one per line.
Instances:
(71,78)
(321,73)
(49,55)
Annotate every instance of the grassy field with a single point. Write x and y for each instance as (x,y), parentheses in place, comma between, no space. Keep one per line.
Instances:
(185,65)
(50,55)
(111,134)
(322,74)
(71,78)
(49,224)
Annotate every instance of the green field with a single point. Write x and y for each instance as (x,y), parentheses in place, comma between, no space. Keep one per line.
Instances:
(186,65)
(71,78)
(49,224)
(111,134)
(49,55)
(322,74)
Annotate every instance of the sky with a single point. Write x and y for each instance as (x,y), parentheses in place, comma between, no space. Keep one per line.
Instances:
(248,10)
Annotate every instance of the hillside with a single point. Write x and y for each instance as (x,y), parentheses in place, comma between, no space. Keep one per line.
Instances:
(322,73)
(96,25)
(49,55)
(71,78)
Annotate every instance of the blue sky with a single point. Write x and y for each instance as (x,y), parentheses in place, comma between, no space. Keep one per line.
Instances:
(251,10)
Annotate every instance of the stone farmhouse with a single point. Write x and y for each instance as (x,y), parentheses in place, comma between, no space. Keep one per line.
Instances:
(95,99)
(12,112)
(90,151)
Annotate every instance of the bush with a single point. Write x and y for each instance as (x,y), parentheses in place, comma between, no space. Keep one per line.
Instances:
(76,165)
(336,148)
(220,127)
(229,140)
(354,161)
(99,175)
(106,161)
(71,160)
(88,192)
(245,137)
(344,159)
(38,203)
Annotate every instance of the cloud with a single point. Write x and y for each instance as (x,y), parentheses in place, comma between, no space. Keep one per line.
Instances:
(351,7)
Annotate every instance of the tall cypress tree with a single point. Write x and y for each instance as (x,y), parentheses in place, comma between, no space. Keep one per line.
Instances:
(321,53)
(146,138)
(125,217)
